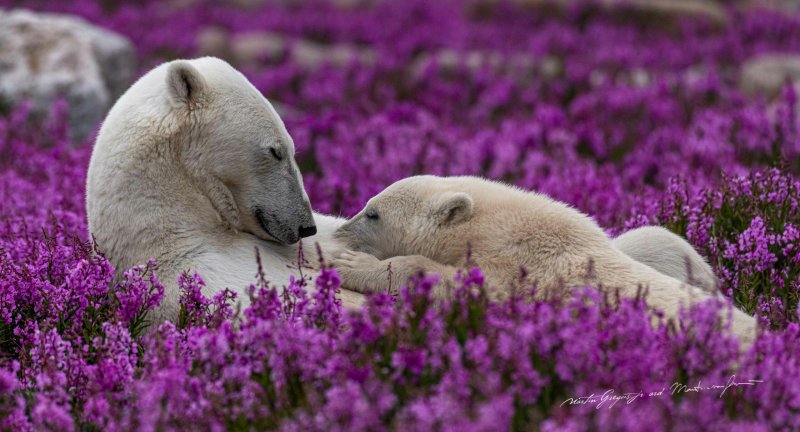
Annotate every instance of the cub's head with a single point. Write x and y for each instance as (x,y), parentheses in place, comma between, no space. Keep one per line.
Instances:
(236,149)
(414,216)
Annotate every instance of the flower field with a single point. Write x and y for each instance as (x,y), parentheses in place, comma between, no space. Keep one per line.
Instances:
(633,120)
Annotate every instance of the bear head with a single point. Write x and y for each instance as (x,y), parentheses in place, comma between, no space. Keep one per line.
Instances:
(414,216)
(207,123)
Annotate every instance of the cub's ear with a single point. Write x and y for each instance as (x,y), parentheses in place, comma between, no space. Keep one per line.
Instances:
(452,208)
(185,85)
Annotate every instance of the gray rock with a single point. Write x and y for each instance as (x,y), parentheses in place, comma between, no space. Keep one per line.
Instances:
(254,48)
(520,66)
(670,10)
(213,41)
(312,55)
(658,13)
(46,56)
(765,75)
(786,6)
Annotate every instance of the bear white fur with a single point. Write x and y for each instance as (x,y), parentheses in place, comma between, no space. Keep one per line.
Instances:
(427,224)
(669,254)
(182,160)
(193,167)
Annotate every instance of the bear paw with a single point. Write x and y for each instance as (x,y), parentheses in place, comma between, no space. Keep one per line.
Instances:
(360,271)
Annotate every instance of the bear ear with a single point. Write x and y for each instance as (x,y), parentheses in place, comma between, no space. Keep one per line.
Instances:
(186,86)
(453,207)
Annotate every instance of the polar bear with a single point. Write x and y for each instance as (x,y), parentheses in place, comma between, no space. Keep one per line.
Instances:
(427,224)
(668,254)
(193,167)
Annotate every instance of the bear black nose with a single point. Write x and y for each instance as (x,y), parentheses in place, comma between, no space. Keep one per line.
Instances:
(307,231)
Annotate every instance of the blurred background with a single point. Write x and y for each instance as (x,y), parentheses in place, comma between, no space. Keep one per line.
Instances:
(598,103)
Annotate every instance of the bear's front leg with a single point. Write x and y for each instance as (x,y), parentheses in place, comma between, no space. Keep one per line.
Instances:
(365,273)
(362,272)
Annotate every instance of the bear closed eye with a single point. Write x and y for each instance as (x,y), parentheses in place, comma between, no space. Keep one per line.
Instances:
(193,167)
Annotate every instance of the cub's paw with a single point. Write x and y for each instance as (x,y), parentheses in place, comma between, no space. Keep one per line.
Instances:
(359,271)
(355,260)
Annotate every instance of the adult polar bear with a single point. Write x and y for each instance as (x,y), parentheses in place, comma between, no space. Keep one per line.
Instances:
(193,167)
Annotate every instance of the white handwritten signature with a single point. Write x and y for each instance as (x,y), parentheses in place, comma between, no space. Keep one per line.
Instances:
(610,397)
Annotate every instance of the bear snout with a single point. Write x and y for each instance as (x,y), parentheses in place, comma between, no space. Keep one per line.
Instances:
(352,235)
(308,231)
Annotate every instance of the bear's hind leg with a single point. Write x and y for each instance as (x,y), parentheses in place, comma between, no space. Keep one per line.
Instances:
(669,254)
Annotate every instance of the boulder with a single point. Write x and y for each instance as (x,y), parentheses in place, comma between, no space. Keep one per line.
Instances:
(669,11)
(658,13)
(255,47)
(520,66)
(213,41)
(312,55)
(784,6)
(258,47)
(48,56)
(765,75)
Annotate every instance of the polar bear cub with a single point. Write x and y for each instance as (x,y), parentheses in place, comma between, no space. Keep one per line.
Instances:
(427,224)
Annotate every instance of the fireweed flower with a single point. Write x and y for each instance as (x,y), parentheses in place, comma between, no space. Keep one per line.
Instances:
(630,124)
